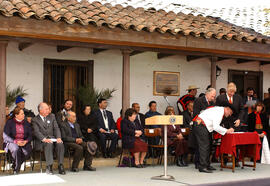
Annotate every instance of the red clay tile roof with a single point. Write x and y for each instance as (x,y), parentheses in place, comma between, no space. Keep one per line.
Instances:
(138,19)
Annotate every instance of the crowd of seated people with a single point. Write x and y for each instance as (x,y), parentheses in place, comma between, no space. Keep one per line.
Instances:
(85,133)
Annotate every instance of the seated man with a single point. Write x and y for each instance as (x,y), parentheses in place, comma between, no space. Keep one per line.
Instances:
(153,112)
(140,118)
(46,129)
(29,114)
(73,138)
(61,115)
(106,128)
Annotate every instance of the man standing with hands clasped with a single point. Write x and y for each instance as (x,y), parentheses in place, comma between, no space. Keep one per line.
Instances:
(204,124)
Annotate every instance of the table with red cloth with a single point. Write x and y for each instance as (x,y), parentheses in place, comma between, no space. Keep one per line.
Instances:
(248,144)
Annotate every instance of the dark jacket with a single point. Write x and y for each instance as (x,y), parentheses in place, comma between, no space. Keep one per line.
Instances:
(187,118)
(142,120)
(100,120)
(151,114)
(200,104)
(172,133)
(252,122)
(67,133)
(238,110)
(10,131)
(88,122)
(128,133)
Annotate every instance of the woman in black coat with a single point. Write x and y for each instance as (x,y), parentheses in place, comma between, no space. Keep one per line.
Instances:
(17,138)
(132,137)
(88,124)
(258,121)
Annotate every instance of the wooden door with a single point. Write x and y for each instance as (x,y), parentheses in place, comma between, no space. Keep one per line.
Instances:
(62,78)
(245,79)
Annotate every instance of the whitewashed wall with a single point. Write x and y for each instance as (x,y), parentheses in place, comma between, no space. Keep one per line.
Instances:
(26,68)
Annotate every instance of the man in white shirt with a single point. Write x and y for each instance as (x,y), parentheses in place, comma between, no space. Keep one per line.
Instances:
(207,122)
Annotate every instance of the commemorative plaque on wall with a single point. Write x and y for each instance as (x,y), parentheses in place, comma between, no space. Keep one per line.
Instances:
(166,83)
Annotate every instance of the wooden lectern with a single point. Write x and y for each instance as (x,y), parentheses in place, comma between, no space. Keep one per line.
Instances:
(164,120)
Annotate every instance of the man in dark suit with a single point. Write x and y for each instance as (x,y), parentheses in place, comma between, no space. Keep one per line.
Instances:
(73,138)
(61,115)
(201,104)
(249,102)
(46,130)
(106,128)
(188,115)
(235,100)
(140,118)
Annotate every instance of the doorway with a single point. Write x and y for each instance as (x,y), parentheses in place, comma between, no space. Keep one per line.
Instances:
(245,79)
(62,78)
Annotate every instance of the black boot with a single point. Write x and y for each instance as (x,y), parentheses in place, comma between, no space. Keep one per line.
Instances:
(183,161)
(179,162)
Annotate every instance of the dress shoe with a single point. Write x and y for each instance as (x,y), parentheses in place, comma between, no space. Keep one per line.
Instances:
(205,170)
(74,170)
(49,170)
(104,155)
(211,168)
(110,155)
(142,165)
(89,168)
(16,172)
(138,166)
(61,169)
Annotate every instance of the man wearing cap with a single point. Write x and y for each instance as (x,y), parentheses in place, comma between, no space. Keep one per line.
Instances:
(73,139)
(184,100)
(20,102)
(204,124)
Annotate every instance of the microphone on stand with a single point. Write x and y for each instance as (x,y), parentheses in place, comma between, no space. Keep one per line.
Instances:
(167,91)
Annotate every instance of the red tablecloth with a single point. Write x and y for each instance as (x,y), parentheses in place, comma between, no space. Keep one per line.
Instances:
(248,139)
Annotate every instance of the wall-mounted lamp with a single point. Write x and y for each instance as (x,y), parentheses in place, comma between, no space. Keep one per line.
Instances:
(218,71)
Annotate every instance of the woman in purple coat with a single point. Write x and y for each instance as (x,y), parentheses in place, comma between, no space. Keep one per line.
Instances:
(17,138)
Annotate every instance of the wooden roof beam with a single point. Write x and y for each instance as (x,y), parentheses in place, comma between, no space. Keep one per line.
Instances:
(191,57)
(264,62)
(24,45)
(98,50)
(163,55)
(135,52)
(239,61)
(61,48)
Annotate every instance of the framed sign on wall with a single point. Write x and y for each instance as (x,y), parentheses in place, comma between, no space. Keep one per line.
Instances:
(166,83)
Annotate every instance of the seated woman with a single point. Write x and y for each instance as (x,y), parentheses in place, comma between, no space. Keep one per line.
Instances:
(133,138)
(88,124)
(17,137)
(176,140)
(258,121)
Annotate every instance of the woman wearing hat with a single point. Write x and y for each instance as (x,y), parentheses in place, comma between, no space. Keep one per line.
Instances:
(133,138)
